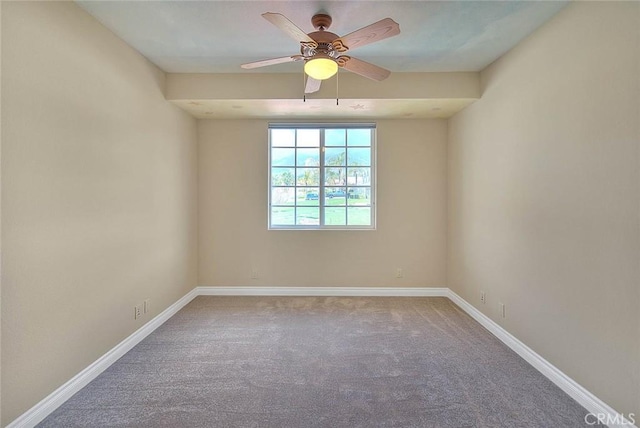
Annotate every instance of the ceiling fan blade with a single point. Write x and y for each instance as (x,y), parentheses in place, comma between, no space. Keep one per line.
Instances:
(313,85)
(366,69)
(283,23)
(272,61)
(380,30)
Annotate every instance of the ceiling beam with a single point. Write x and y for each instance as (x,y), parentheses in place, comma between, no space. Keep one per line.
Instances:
(266,86)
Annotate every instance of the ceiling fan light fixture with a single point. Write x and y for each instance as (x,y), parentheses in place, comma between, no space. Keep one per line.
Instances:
(321,68)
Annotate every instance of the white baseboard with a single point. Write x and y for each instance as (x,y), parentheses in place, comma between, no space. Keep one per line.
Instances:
(589,401)
(576,391)
(324,291)
(54,400)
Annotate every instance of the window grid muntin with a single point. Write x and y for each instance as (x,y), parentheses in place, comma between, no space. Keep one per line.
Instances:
(321,203)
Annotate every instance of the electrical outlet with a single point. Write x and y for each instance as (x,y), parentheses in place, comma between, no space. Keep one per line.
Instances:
(146,306)
(398,273)
(503,310)
(483,297)
(137,312)
(254,274)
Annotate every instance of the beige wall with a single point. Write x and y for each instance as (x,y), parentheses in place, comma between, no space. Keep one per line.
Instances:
(0,215)
(98,196)
(544,197)
(411,214)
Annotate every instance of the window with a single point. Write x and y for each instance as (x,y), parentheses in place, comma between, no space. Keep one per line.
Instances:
(322,176)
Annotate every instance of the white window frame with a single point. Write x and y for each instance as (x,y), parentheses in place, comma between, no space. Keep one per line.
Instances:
(321,186)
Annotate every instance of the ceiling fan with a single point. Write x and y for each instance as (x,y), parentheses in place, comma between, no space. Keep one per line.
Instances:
(323,51)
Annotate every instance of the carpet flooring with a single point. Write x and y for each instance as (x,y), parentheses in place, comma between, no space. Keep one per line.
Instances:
(320,362)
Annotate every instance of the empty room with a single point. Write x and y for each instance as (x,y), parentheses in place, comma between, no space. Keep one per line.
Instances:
(320,214)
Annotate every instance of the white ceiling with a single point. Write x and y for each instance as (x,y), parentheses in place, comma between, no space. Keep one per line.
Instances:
(218,36)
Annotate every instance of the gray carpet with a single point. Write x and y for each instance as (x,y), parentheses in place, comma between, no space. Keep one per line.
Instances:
(320,362)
